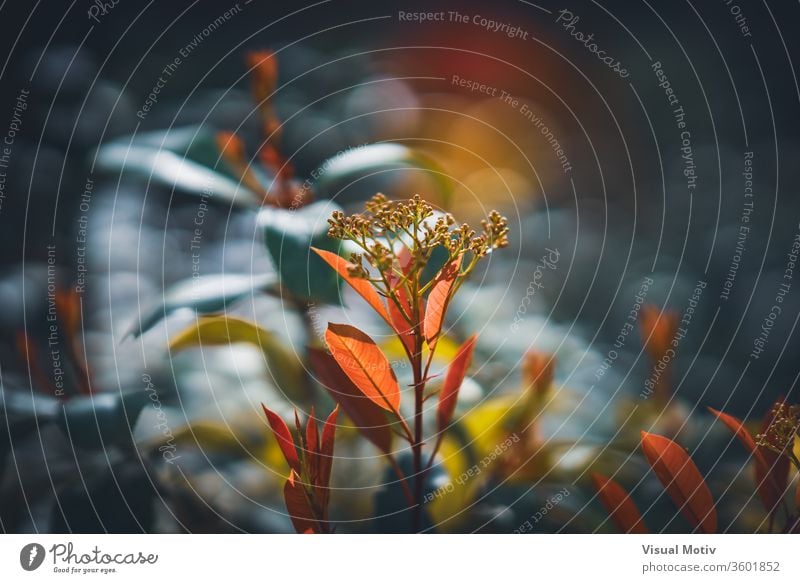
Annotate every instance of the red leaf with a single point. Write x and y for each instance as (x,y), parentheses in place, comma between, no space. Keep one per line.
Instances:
(620,507)
(284,437)
(682,480)
(738,429)
(312,446)
(537,370)
(439,298)
(364,363)
(326,448)
(404,257)
(404,328)
(770,470)
(452,382)
(299,506)
(299,427)
(367,417)
(362,286)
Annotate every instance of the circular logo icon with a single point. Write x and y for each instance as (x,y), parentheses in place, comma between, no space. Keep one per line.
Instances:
(31,556)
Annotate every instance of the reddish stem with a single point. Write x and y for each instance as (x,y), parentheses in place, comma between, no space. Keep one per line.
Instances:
(416,446)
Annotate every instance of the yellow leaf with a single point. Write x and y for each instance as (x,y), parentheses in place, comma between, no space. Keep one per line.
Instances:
(214,437)
(491,422)
(449,501)
(446,349)
(225,330)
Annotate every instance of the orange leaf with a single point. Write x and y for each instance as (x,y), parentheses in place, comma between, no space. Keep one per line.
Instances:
(264,73)
(658,329)
(364,363)
(232,151)
(68,307)
(299,506)
(620,507)
(284,437)
(366,415)
(438,300)
(682,480)
(362,286)
(452,382)
(68,310)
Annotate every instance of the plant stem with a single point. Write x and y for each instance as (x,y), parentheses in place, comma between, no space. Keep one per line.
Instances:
(419,392)
(416,446)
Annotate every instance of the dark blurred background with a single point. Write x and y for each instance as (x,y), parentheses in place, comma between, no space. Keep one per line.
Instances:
(87,80)
(623,211)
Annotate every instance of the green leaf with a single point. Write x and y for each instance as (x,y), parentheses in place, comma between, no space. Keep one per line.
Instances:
(195,143)
(337,173)
(289,236)
(283,364)
(210,294)
(185,159)
(437,261)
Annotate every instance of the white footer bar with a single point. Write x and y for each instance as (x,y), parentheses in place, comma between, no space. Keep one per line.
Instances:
(399,558)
